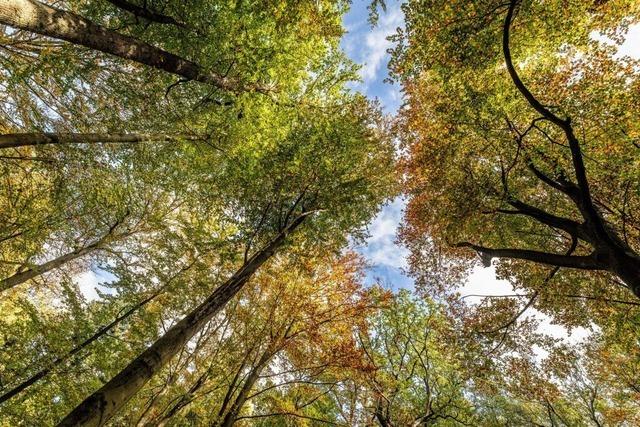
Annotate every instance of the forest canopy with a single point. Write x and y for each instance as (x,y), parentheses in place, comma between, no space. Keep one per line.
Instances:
(215,164)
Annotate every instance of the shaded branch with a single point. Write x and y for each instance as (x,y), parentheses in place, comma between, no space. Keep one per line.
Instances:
(533,101)
(572,227)
(563,186)
(588,262)
(143,12)
(585,204)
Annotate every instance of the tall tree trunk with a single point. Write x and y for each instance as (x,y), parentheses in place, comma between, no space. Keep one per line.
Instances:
(39,18)
(11,140)
(98,408)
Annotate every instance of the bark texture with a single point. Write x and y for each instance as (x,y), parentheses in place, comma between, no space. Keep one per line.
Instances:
(39,18)
(12,140)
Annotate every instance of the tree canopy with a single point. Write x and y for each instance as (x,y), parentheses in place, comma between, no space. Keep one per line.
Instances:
(208,167)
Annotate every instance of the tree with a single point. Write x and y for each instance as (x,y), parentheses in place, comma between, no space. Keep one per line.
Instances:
(303,190)
(45,20)
(292,342)
(94,99)
(227,171)
(416,377)
(525,117)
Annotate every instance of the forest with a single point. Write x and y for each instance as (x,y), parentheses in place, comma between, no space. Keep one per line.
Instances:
(189,190)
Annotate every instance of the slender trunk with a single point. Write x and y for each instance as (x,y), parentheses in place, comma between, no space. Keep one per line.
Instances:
(380,416)
(12,140)
(97,335)
(185,399)
(36,271)
(39,18)
(230,389)
(188,397)
(98,408)
(230,417)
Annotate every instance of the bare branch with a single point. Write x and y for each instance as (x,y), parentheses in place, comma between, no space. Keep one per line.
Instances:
(570,226)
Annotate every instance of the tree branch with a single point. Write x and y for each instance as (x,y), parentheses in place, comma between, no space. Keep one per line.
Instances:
(143,12)
(586,204)
(533,101)
(572,227)
(588,262)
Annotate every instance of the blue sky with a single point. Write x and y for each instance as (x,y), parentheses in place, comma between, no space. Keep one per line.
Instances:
(368,46)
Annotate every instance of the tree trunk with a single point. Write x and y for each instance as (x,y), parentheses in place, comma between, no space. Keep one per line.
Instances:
(626,265)
(39,18)
(230,418)
(36,271)
(12,140)
(382,419)
(98,408)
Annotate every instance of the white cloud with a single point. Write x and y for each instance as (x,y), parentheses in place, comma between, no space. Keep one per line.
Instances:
(381,247)
(483,281)
(377,44)
(373,52)
(90,281)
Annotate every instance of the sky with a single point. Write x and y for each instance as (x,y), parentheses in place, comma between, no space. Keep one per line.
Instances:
(368,47)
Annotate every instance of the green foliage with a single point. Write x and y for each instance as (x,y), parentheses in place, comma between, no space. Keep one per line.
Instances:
(471,137)
(165,221)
